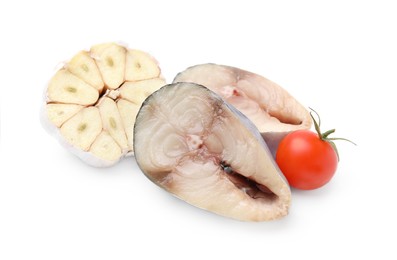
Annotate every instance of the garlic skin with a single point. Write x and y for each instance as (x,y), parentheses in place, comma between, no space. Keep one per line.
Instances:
(90,104)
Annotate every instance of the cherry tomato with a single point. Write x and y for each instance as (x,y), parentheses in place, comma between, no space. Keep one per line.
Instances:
(307,161)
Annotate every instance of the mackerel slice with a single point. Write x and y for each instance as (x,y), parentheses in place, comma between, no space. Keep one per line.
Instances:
(191,143)
(270,107)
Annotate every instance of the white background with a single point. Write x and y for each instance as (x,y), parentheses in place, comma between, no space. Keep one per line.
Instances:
(339,57)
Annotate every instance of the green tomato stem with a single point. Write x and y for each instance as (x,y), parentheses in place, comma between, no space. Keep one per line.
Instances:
(316,125)
(344,139)
(324,136)
(327,133)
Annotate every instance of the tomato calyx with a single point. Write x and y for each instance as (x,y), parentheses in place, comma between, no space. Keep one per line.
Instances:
(325,136)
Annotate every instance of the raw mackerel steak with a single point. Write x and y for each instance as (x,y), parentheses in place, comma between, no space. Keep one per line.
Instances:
(193,144)
(266,104)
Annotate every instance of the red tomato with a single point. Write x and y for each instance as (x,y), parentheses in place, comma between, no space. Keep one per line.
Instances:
(307,161)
